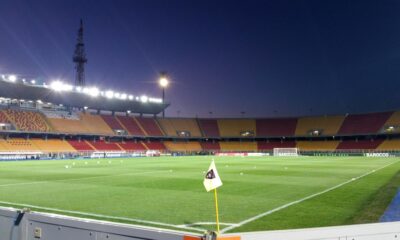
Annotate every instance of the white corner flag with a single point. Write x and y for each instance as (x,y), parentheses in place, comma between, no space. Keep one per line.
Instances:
(212,180)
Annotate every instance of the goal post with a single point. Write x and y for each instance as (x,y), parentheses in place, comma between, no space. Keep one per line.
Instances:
(286,152)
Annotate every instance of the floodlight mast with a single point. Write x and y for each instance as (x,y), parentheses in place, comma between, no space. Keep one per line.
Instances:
(164,82)
(80,58)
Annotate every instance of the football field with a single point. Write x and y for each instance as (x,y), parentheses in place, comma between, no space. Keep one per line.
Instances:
(258,193)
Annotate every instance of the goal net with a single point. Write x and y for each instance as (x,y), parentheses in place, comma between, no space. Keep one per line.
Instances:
(285,152)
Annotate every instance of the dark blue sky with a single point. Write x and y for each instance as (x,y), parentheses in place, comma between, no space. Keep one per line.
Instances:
(267,58)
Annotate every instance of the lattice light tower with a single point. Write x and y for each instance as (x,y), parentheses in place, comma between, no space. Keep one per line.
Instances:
(80,58)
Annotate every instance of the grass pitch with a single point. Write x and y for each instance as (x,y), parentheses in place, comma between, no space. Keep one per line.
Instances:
(259,193)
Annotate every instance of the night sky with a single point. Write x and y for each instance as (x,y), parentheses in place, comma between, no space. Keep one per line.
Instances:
(264,58)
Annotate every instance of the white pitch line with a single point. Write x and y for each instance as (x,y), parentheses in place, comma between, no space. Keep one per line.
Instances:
(102,216)
(301,200)
(207,223)
(83,178)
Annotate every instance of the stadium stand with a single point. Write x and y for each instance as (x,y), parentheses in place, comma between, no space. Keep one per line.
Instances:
(102,145)
(392,125)
(52,145)
(17,144)
(3,118)
(68,125)
(270,145)
(210,146)
(393,144)
(209,127)
(237,127)
(359,144)
(183,146)
(112,122)
(132,146)
(276,127)
(180,127)
(27,120)
(364,123)
(155,145)
(131,125)
(325,125)
(81,145)
(238,146)
(95,124)
(150,126)
(317,145)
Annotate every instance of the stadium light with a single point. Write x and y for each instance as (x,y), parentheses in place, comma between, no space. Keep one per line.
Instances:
(60,86)
(12,78)
(164,82)
(130,97)
(94,92)
(109,94)
(144,98)
(124,96)
(33,81)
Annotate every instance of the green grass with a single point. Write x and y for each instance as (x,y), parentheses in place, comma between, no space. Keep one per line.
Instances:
(169,189)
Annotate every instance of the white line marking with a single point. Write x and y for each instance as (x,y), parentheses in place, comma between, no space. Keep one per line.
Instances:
(103,216)
(83,178)
(207,223)
(302,199)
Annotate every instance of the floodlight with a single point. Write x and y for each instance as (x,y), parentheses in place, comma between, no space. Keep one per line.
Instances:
(124,96)
(144,98)
(130,97)
(12,78)
(79,89)
(117,95)
(163,82)
(85,107)
(57,85)
(109,94)
(33,81)
(129,111)
(94,92)
(39,101)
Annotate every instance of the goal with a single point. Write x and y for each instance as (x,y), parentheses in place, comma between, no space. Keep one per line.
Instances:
(286,152)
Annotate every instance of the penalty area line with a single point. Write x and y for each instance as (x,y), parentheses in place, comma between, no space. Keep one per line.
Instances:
(102,216)
(252,219)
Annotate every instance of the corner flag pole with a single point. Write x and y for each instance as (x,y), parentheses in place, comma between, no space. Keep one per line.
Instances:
(216,208)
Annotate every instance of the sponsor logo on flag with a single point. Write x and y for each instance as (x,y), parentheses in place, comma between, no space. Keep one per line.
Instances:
(212,179)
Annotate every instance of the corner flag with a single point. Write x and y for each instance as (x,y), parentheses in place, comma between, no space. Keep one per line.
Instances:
(212,180)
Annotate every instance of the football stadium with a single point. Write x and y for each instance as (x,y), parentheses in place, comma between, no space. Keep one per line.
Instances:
(79,161)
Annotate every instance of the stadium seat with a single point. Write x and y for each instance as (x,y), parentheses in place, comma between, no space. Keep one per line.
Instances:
(3,117)
(276,127)
(210,146)
(325,125)
(209,127)
(27,120)
(81,145)
(150,126)
(237,127)
(183,146)
(360,144)
(132,146)
(155,145)
(52,145)
(18,144)
(389,145)
(177,127)
(112,122)
(317,145)
(238,146)
(270,145)
(364,123)
(101,145)
(131,125)
(392,125)
(95,124)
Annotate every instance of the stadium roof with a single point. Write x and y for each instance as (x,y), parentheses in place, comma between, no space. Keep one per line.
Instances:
(83,98)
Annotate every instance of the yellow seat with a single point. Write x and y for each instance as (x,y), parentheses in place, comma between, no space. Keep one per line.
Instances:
(235,127)
(329,125)
(183,146)
(238,146)
(172,126)
(317,145)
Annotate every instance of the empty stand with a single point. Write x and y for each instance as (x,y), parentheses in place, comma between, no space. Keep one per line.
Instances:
(52,145)
(132,146)
(183,146)
(392,124)
(270,145)
(150,126)
(131,125)
(80,145)
(175,126)
(210,146)
(317,145)
(95,124)
(393,144)
(276,127)
(236,127)
(360,144)
(155,145)
(102,145)
(27,120)
(238,146)
(3,118)
(17,144)
(209,127)
(364,123)
(327,125)
(112,122)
